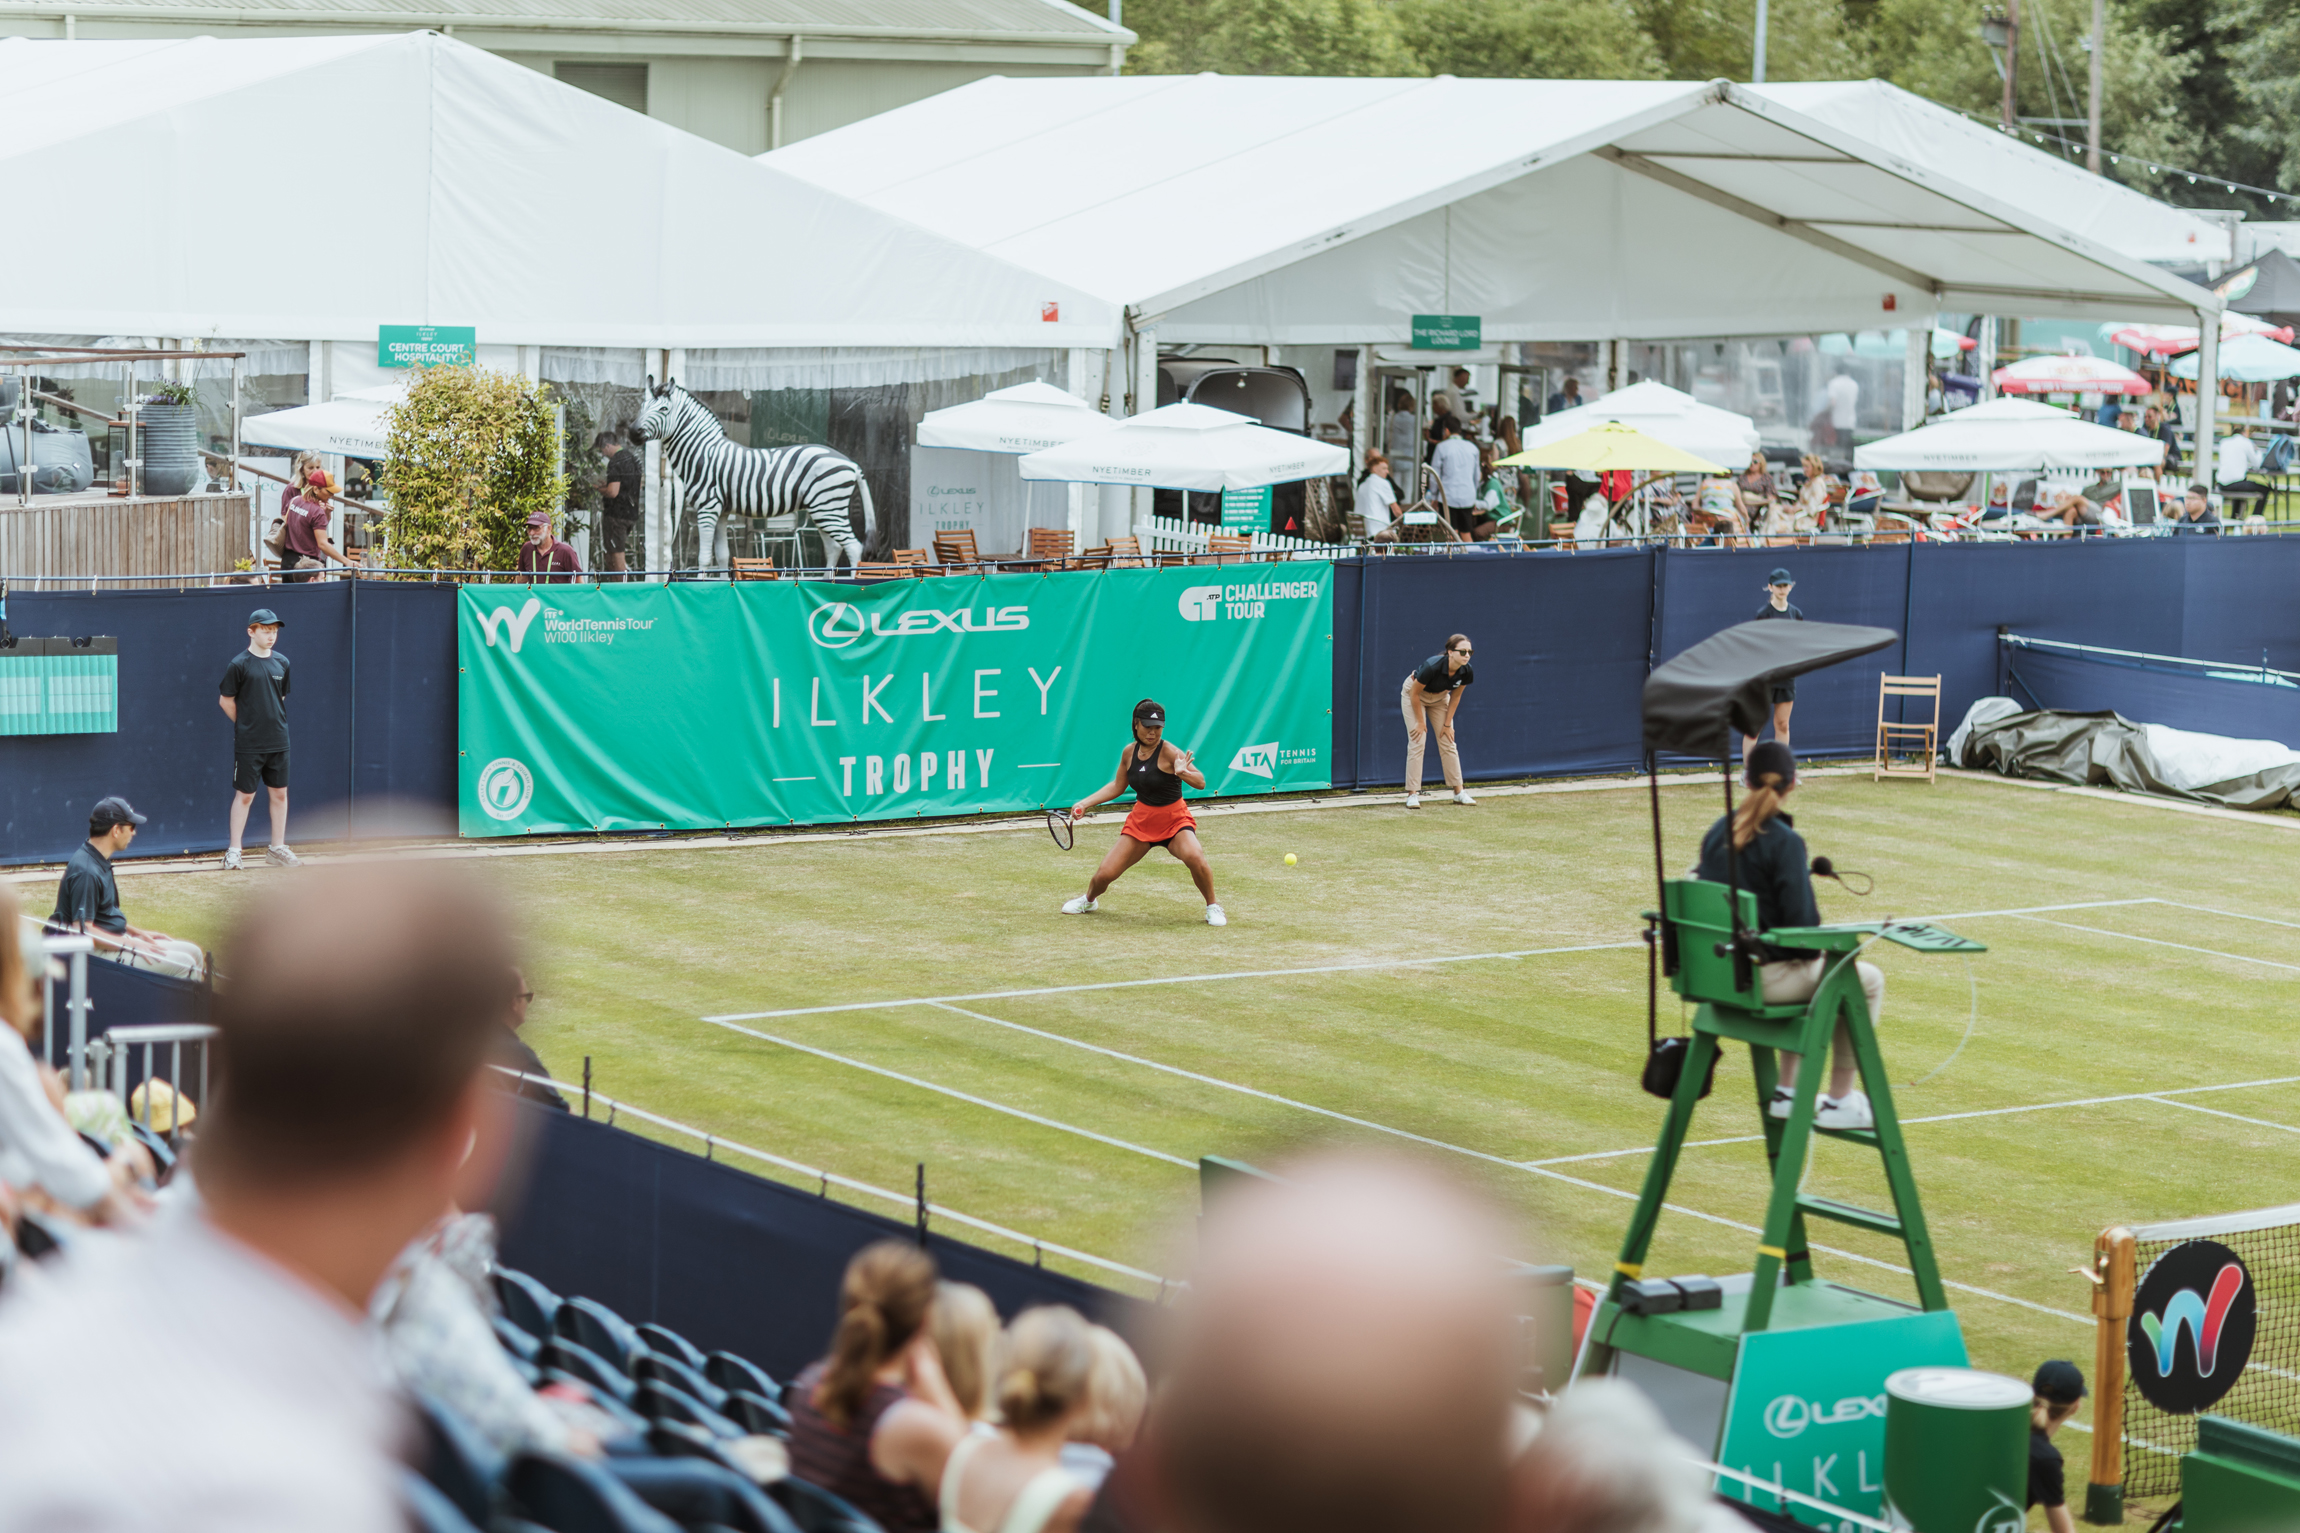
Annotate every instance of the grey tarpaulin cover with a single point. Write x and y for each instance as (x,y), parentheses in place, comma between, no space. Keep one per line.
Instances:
(1720,685)
(2109,750)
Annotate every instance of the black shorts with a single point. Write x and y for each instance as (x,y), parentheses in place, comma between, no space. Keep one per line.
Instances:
(615,534)
(1784,691)
(254,769)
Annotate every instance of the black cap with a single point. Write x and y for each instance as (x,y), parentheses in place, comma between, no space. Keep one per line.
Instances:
(113,811)
(263,615)
(1771,756)
(2060,1383)
(1779,577)
(1148,712)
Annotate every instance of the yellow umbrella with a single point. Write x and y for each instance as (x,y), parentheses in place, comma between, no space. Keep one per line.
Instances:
(1611,446)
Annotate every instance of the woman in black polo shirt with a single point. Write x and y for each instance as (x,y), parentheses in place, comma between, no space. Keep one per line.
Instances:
(1778,585)
(1431,701)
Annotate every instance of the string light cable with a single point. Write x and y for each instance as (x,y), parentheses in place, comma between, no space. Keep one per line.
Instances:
(2118,158)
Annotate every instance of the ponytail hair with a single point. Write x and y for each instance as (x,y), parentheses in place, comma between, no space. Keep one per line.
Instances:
(1048,1365)
(1758,809)
(884,1301)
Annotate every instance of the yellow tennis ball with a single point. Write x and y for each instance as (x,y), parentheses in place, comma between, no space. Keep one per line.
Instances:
(1289,859)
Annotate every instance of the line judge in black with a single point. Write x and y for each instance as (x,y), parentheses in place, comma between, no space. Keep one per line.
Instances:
(1778,585)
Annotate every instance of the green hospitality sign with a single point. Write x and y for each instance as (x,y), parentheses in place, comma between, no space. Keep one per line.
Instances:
(1246,510)
(426,345)
(705,704)
(1447,332)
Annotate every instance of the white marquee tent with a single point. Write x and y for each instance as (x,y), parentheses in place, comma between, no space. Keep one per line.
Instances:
(419,180)
(2008,434)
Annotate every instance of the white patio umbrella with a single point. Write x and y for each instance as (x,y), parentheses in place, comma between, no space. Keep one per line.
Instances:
(2071,375)
(356,424)
(1661,412)
(1188,447)
(2008,434)
(1025,418)
(2248,359)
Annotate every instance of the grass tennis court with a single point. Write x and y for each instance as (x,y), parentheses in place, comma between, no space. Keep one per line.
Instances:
(888,1000)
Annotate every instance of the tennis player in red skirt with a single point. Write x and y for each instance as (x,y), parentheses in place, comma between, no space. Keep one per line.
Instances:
(1155,768)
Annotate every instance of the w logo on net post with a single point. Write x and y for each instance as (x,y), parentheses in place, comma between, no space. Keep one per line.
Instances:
(2202,1317)
(503,618)
(2195,1317)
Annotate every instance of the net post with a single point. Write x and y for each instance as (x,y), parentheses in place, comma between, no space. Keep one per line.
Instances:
(2113,1280)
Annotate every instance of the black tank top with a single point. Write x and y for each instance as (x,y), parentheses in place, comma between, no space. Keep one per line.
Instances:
(1152,784)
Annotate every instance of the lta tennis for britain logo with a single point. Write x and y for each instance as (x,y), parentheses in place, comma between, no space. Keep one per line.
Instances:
(2193,1321)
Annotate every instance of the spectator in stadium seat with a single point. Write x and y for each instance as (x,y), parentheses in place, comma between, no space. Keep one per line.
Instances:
(1117,1394)
(1603,1461)
(1348,1363)
(1012,1480)
(513,1053)
(2059,1391)
(966,1337)
(348,1099)
(875,1421)
(38,1149)
(88,899)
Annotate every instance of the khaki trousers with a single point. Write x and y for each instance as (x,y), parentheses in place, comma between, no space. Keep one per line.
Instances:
(1797,979)
(1424,718)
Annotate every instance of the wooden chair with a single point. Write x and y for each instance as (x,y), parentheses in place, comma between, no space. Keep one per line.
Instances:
(1127,552)
(917,557)
(753,569)
(1908,738)
(883,569)
(1051,545)
(956,547)
(1561,533)
(1229,547)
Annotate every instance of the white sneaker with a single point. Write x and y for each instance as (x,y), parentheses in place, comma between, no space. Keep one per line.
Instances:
(1413,801)
(232,859)
(1215,917)
(1461,796)
(1082,905)
(282,857)
(1852,1110)
(1784,1098)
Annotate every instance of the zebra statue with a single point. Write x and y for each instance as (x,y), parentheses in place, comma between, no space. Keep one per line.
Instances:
(721,476)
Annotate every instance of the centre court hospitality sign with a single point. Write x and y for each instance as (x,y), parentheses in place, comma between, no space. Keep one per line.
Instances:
(701,705)
(426,345)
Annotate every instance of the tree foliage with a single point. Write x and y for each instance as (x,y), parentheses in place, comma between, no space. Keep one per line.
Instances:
(470,453)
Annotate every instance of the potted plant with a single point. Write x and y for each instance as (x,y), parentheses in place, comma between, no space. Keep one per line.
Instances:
(169,439)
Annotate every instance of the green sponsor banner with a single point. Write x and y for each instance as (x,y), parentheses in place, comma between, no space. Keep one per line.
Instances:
(1807,1410)
(1246,510)
(1447,332)
(700,705)
(426,345)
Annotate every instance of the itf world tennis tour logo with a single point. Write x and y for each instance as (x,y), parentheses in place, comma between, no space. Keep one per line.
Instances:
(506,788)
(2192,1327)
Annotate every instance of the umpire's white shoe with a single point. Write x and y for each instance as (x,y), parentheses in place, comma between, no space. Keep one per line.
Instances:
(1413,801)
(1082,905)
(1461,796)
(1214,916)
(1852,1110)
(1784,1099)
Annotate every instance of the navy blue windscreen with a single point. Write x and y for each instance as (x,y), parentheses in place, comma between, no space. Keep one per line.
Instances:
(728,1260)
(2178,696)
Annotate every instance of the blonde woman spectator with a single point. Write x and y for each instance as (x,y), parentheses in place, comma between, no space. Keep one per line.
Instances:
(1012,1481)
(1809,513)
(966,1339)
(1377,501)
(1117,1394)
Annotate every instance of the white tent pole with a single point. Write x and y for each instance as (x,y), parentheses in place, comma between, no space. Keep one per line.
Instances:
(2207,390)
(1757,69)
(1145,400)
(1364,413)
(1986,356)
(1088,371)
(1913,372)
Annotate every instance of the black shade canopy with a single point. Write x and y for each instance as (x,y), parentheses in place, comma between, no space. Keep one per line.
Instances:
(1694,702)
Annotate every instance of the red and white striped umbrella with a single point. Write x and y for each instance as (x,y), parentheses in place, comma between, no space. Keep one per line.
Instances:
(2170,340)
(2070,375)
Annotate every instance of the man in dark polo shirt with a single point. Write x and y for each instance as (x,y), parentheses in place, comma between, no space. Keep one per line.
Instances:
(254,697)
(88,899)
(622,499)
(2059,1390)
(544,556)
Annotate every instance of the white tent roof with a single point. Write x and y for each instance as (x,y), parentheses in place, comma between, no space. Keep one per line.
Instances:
(2006,434)
(1309,211)
(357,423)
(2011,169)
(1659,411)
(1024,418)
(1188,447)
(447,186)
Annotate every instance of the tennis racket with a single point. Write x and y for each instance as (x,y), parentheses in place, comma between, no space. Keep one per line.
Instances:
(1058,826)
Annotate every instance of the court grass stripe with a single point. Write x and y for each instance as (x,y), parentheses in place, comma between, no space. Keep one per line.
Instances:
(2209,952)
(1323,968)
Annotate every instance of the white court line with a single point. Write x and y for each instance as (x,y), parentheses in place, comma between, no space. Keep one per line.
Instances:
(2234,915)
(2208,952)
(2239,1117)
(1324,968)
(948,1091)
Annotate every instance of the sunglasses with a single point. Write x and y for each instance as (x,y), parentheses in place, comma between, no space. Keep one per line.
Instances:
(524,995)
(1465,654)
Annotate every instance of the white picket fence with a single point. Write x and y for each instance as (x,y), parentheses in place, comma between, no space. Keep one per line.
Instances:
(1164,535)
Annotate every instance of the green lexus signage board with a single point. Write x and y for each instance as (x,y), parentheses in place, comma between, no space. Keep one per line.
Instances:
(1807,1411)
(1447,332)
(699,705)
(426,345)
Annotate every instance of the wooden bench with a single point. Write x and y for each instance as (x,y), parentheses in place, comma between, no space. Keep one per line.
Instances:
(753,569)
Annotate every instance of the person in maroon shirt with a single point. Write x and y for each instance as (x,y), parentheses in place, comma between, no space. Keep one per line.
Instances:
(875,1421)
(305,540)
(544,555)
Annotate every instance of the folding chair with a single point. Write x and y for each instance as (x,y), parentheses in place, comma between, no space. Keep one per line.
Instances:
(1228,547)
(1127,551)
(1908,738)
(753,569)
(917,558)
(869,570)
(956,547)
(1561,533)
(1050,545)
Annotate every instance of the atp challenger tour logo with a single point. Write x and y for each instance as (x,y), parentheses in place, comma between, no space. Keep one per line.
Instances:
(835,625)
(2193,1322)
(506,788)
(1203,604)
